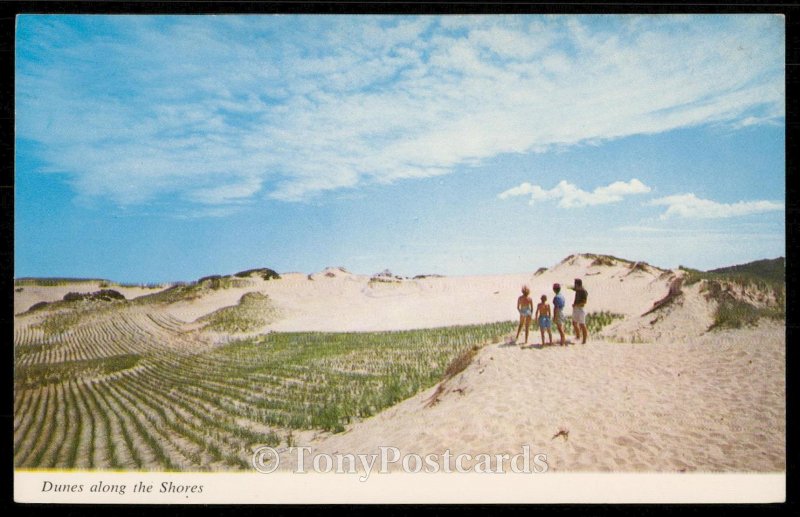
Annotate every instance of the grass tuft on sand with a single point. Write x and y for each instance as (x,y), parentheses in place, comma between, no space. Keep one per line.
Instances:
(253,311)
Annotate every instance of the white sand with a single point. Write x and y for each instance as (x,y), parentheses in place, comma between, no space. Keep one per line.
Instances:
(348,302)
(715,404)
(685,400)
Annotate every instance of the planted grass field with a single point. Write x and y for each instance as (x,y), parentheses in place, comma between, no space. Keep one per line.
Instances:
(132,389)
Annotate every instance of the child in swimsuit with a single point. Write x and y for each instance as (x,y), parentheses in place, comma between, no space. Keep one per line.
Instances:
(525,308)
(543,316)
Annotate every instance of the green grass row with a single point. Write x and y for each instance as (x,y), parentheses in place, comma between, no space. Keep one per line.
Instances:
(325,380)
(38,375)
(205,407)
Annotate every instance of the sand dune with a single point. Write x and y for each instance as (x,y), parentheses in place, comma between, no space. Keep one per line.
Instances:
(27,295)
(335,300)
(654,391)
(355,303)
(715,404)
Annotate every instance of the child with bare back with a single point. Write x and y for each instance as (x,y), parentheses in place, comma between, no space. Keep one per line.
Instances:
(543,317)
(525,308)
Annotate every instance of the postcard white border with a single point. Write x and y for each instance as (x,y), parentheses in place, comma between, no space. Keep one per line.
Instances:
(402,488)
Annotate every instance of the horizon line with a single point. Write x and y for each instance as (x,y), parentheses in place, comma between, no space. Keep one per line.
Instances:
(344,269)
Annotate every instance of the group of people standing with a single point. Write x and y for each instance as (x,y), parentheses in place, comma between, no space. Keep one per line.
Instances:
(542,314)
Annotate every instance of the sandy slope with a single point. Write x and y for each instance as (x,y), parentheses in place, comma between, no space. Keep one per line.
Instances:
(713,404)
(652,392)
(686,318)
(31,294)
(334,300)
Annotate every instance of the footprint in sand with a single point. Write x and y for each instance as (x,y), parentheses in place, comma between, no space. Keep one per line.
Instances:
(696,435)
(620,462)
(624,441)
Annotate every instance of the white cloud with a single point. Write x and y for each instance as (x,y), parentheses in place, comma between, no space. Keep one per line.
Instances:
(692,207)
(570,196)
(301,105)
(233,192)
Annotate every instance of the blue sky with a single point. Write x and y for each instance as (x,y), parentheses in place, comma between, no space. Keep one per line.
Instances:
(159,148)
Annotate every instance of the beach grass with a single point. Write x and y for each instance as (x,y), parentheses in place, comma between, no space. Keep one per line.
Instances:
(595,321)
(253,311)
(732,313)
(729,287)
(140,405)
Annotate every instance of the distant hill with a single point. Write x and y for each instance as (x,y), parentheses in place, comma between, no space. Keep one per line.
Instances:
(55,281)
(771,270)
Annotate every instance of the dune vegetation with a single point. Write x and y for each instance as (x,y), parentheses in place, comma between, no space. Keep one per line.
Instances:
(743,294)
(595,321)
(142,392)
(253,311)
(105,382)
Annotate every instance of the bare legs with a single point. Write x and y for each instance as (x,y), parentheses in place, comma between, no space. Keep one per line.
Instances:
(560,327)
(581,332)
(523,320)
(549,334)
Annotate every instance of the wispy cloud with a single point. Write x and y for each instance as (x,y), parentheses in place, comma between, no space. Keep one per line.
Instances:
(673,230)
(290,106)
(571,196)
(692,207)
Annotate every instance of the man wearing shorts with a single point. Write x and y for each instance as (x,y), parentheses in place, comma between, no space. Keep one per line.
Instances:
(578,314)
(558,311)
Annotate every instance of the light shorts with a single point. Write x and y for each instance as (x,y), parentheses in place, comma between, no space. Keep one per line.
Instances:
(578,315)
(558,319)
(526,312)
